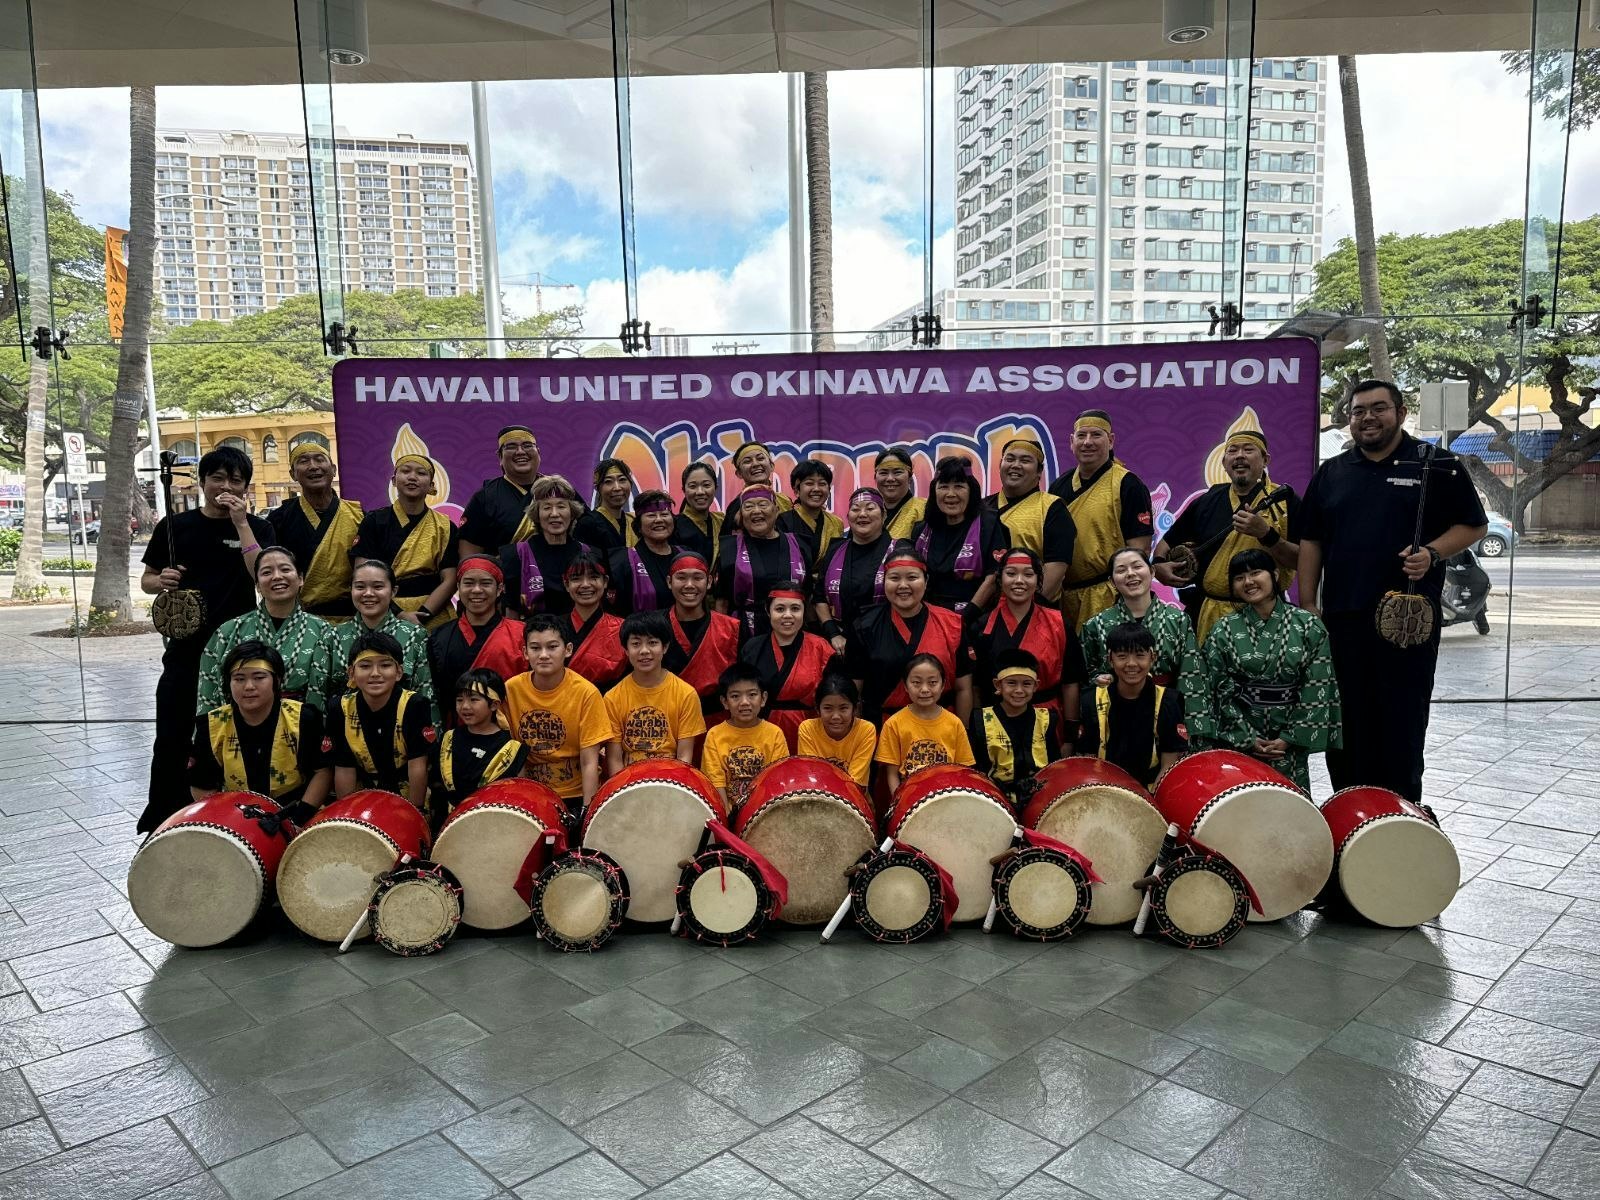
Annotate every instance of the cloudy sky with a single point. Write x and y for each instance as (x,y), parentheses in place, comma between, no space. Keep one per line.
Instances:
(1447,139)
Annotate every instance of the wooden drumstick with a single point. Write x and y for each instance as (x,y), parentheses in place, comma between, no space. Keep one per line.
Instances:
(994,901)
(1169,846)
(844,905)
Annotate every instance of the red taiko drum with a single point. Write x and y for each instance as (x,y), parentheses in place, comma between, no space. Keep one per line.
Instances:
(486,843)
(649,817)
(1394,865)
(963,822)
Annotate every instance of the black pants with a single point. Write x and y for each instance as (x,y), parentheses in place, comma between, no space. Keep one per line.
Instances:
(177,693)
(1385,693)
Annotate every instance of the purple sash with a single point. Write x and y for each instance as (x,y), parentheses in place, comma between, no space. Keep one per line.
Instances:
(833,581)
(532,579)
(744,578)
(969,559)
(644,587)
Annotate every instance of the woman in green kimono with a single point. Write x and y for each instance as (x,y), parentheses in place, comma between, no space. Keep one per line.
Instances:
(1273,693)
(1178,661)
(372,595)
(305,642)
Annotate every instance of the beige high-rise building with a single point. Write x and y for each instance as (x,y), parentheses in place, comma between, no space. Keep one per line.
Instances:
(234,215)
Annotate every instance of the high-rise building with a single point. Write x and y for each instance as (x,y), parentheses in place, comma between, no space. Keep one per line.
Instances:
(1108,194)
(235,230)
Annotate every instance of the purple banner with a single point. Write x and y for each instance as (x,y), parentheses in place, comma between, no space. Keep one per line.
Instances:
(1173,406)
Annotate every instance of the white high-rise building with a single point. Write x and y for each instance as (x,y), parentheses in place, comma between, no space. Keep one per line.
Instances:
(235,228)
(1075,207)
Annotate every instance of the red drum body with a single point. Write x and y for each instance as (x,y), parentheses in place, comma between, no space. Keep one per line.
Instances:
(722,898)
(1394,865)
(811,821)
(1199,901)
(1105,814)
(487,841)
(203,876)
(579,900)
(329,872)
(649,817)
(1256,819)
(416,909)
(962,821)
(897,896)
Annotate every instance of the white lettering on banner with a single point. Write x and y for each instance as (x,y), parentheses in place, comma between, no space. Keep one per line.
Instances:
(435,389)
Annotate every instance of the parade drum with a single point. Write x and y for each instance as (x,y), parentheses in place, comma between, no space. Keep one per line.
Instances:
(649,817)
(962,821)
(1199,900)
(416,909)
(203,875)
(1256,819)
(487,842)
(579,900)
(1105,814)
(722,897)
(811,821)
(898,895)
(1042,893)
(1394,865)
(331,869)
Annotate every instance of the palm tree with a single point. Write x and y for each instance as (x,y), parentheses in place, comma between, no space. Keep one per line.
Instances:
(28,583)
(1355,141)
(819,203)
(110,599)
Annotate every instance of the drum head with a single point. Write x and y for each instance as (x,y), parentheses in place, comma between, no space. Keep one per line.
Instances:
(722,898)
(649,828)
(1276,838)
(194,886)
(963,832)
(811,838)
(328,875)
(1399,871)
(578,901)
(416,913)
(486,849)
(1042,894)
(1119,832)
(898,898)
(1199,901)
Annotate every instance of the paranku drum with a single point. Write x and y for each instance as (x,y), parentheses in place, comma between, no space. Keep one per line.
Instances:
(329,872)
(579,900)
(898,895)
(649,817)
(416,909)
(1200,900)
(811,821)
(202,877)
(722,897)
(1256,819)
(487,842)
(962,821)
(1394,865)
(1104,813)
(1042,892)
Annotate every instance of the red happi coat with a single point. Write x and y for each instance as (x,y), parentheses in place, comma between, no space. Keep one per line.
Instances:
(597,650)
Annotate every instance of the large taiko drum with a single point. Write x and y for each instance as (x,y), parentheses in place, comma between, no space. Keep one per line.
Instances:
(330,871)
(962,821)
(649,817)
(488,843)
(1105,814)
(1256,819)
(811,821)
(203,875)
(1394,865)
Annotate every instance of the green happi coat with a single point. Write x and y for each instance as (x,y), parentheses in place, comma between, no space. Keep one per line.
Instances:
(1273,678)
(305,641)
(416,675)
(1177,656)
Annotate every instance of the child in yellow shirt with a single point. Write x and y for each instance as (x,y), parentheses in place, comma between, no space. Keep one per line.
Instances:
(655,714)
(838,734)
(924,733)
(744,745)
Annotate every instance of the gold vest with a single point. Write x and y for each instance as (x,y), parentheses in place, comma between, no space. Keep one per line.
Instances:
(1102,708)
(284,772)
(1097,513)
(1002,755)
(1215,584)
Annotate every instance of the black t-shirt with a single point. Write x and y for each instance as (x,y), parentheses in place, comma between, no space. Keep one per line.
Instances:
(1019,730)
(1131,724)
(377,726)
(595,529)
(945,542)
(1211,514)
(553,562)
(208,550)
(469,755)
(1060,531)
(1363,514)
(255,748)
(493,514)
(858,577)
(625,591)
(771,565)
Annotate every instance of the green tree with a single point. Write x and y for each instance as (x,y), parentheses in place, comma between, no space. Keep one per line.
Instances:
(1455,291)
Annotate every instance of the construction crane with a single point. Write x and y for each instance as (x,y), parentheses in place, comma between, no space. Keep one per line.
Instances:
(540,281)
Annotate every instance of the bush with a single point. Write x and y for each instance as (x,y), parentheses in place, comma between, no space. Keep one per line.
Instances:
(67,564)
(10,546)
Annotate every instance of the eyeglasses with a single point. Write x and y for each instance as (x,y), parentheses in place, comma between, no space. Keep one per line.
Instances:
(1376,410)
(525,447)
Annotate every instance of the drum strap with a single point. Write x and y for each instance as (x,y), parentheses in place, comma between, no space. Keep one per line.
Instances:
(1032,837)
(947,885)
(535,860)
(1102,708)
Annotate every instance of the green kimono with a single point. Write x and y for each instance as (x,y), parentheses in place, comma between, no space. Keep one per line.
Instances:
(1178,661)
(306,643)
(415,674)
(1273,678)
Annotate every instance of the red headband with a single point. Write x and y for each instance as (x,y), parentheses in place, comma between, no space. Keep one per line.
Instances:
(479,563)
(688,561)
(784,593)
(906,560)
(1018,558)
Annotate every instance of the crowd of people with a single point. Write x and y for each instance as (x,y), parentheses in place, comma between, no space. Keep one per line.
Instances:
(562,640)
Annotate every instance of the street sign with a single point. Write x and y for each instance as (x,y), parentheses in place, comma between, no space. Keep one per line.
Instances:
(77,458)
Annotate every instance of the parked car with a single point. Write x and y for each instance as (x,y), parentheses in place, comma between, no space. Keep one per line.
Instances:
(90,532)
(1500,538)
(11,518)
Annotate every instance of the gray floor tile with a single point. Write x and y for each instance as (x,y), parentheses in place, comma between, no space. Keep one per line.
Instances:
(780,1074)
(1415,1014)
(1112,1171)
(1488,1138)
(915,991)
(829,974)
(402,1004)
(965,1152)
(1040,1186)
(383,1114)
(725,1176)
(903,1187)
(86,1111)
(661,1134)
(1307,991)
(945,1064)
(1353,1105)
(686,1049)
(1407,1056)
(277,1170)
(428,1167)
(357,1065)
(128,1164)
(626,1016)
(27,1142)
(16,1099)
(1258,1157)
(1057,1090)
(437,1037)
(1136,1045)
(44,1034)
(591,1176)
(514,1141)
(506,1064)
(1063,982)
(1222,1077)
(1541,1049)
(811,1162)
(874,1105)
(589,1091)
(1455,951)
(869,1030)
(1531,1094)
(259,1051)
(687,980)
(1158,1001)
(747,1009)
(1256,1035)
(234,1123)
(1548,997)
(990,1022)
(1170,1122)
(1424,1176)
(1571,1171)
(92,1062)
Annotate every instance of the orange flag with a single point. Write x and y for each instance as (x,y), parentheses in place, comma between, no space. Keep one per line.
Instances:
(116,279)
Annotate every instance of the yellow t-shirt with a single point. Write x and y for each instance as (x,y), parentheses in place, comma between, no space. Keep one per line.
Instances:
(649,722)
(556,726)
(852,754)
(733,757)
(910,743)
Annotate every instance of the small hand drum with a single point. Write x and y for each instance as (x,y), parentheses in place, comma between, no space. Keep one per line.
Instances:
(897,895)
(723,899)
(1042,894)
(1199,901)
(416,909)
(579,900)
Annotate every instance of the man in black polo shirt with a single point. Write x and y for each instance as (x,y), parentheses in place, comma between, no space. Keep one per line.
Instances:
(494,514)
(1357,522)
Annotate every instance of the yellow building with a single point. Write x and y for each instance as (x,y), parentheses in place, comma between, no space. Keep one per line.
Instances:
(266,437)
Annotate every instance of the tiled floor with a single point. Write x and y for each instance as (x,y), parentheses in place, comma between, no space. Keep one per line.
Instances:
(1305,1059)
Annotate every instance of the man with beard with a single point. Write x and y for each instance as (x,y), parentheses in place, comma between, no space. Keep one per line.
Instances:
(318,528)
(1359,517)
(1037,519)
(1110,508)
(494,516)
